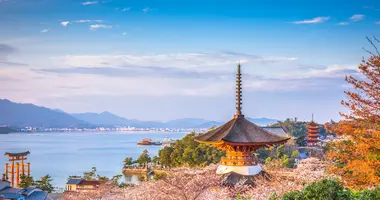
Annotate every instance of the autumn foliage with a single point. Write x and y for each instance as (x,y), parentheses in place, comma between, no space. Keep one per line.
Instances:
(356,157)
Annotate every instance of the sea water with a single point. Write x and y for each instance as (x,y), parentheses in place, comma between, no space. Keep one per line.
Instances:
(65,154)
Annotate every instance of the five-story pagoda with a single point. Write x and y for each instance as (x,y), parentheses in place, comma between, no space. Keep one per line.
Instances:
(312,134)
(240,138)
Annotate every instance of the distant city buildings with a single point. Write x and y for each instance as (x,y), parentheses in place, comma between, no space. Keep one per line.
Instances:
(110,129)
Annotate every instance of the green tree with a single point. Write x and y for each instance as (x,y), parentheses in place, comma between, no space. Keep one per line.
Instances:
(5,177)
(156,160)
(164,156)
(144,158)
(90,175)
(45,184)
(128,161)
(102,178)
(26,181)
(188,152)
(115,179)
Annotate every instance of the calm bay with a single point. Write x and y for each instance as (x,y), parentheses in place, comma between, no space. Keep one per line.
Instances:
(69,153)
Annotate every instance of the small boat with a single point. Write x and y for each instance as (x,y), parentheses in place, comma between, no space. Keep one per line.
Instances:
(156,143)
(145,141)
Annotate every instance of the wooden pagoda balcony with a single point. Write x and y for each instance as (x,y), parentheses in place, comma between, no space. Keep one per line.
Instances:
(238,159)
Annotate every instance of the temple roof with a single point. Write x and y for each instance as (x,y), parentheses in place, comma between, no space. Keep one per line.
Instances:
(276,130)
(74,181)
(17,154)
(90,182)
(241,130)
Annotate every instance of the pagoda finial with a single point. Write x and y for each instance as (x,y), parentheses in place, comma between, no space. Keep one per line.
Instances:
(238,92)
(312,117)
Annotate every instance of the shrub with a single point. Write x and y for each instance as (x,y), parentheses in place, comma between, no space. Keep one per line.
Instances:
(321,190)
(365,194)
(159,176)
(331,190)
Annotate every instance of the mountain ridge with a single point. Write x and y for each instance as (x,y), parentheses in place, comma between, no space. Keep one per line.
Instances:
(22,115)
(18,114)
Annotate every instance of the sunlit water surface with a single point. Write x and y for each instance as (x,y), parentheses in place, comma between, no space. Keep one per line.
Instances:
(64,154)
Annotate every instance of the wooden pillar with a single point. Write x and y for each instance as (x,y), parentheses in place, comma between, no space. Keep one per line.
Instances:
(28,168)
(22,165)
(6,170)
(13,172)
(17,174)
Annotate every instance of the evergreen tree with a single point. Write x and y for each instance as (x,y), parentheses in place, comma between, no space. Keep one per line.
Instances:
(128,161)
(188,152)
(26,181)
(45,184)
(144,158)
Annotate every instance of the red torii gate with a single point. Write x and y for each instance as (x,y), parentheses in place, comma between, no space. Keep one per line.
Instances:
(12,170)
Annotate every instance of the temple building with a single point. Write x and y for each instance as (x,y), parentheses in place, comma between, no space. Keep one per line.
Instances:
(30,193)
(312,134)
(240,138)
(82,185)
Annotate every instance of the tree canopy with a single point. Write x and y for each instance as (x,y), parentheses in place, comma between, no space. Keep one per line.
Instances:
(190,153)
(357,157)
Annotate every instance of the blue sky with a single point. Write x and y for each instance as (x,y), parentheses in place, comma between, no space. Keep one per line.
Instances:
(162,60)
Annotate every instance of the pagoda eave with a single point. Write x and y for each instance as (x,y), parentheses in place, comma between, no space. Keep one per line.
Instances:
(248,146)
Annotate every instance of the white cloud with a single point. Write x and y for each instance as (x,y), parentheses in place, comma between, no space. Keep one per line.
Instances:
(97,26)
(196,61)
(377,22)
(357,18)
(44,30)
(313,21)
(126,9)
(343,23)
(147,9)
(65,23)
(89,3)
(124,33)
(88,21)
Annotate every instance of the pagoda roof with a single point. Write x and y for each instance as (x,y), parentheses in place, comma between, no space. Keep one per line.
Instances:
(242,131)
(239,130)
(17,154)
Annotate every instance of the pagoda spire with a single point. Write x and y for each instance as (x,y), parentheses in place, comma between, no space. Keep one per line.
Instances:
(238,92)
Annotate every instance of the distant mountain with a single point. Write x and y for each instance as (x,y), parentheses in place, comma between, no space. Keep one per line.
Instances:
(257,121)
(185,123)
(262,121)
(59,110)
(209,124)
(21,115)
(104,118)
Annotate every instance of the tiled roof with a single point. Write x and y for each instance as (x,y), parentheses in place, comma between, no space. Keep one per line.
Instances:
(241,130)
(37,195)
(276,130)
(10,190)
(90,182)
(74,181)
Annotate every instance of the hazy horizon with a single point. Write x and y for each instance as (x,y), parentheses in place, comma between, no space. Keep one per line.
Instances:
(167,60)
